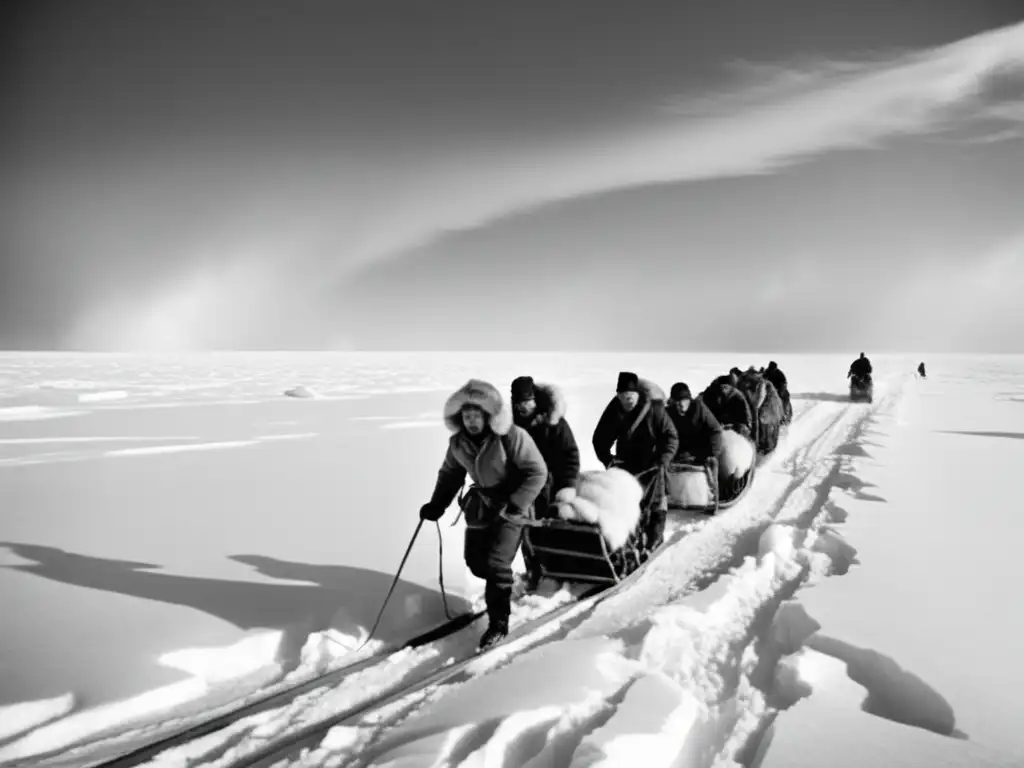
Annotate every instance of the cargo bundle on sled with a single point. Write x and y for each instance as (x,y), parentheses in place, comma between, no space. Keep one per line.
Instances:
(597,531)
(716,484)
(597,534)
(862,388)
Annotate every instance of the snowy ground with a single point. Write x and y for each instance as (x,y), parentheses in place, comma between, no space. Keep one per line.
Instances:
(896,514)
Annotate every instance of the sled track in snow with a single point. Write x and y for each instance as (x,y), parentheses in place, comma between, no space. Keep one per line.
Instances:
(172,737)
(813,433)
(827,426)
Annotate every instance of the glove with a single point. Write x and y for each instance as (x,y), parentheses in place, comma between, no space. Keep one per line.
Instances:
(430,512)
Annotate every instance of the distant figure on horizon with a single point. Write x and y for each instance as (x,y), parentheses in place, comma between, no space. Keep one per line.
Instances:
(508,473)
(920,371)
(860,368)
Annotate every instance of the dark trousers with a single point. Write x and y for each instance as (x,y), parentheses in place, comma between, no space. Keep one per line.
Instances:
(489,553)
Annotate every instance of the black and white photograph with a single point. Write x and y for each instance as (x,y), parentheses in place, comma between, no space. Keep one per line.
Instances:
(511,384)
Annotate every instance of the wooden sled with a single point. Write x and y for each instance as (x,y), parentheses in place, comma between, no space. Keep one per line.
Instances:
(576,551)
(701,488)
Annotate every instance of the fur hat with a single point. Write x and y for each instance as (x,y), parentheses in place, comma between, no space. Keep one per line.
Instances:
(523,389)
(680,391)
(484,396)
(628,382)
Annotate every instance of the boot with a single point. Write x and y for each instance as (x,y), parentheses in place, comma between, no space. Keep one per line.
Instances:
(499,608)
(656,529)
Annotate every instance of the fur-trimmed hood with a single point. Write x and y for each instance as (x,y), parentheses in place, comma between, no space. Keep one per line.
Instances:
(486,397)
(551,403)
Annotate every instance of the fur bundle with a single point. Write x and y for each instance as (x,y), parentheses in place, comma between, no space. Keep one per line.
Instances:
(688,488)
(737,455)
(609,498)
(653,392)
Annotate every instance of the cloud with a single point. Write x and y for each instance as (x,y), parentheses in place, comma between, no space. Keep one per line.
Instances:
(774,117)
(769,118)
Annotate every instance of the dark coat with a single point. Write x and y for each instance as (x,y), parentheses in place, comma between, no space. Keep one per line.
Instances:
(643,438)
(700,433)
(778,379)
(553,436)
(728,405)
(504,457)
(861,368)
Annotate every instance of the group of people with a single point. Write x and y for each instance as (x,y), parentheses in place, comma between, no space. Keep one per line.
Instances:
(521,454)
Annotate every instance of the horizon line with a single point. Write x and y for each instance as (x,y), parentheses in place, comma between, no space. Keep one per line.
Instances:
(327,351)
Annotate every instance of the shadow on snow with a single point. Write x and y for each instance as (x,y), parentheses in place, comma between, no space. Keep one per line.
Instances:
(829,397)
(342,597)
(1008,435)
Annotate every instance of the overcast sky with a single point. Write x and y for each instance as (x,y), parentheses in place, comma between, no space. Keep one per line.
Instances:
(765,174)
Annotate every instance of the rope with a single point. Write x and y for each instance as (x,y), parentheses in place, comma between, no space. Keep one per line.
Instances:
(394,583)
(462,495)
(440,571)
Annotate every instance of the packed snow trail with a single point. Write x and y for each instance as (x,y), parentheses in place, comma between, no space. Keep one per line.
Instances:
(700,554)
(697,654)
